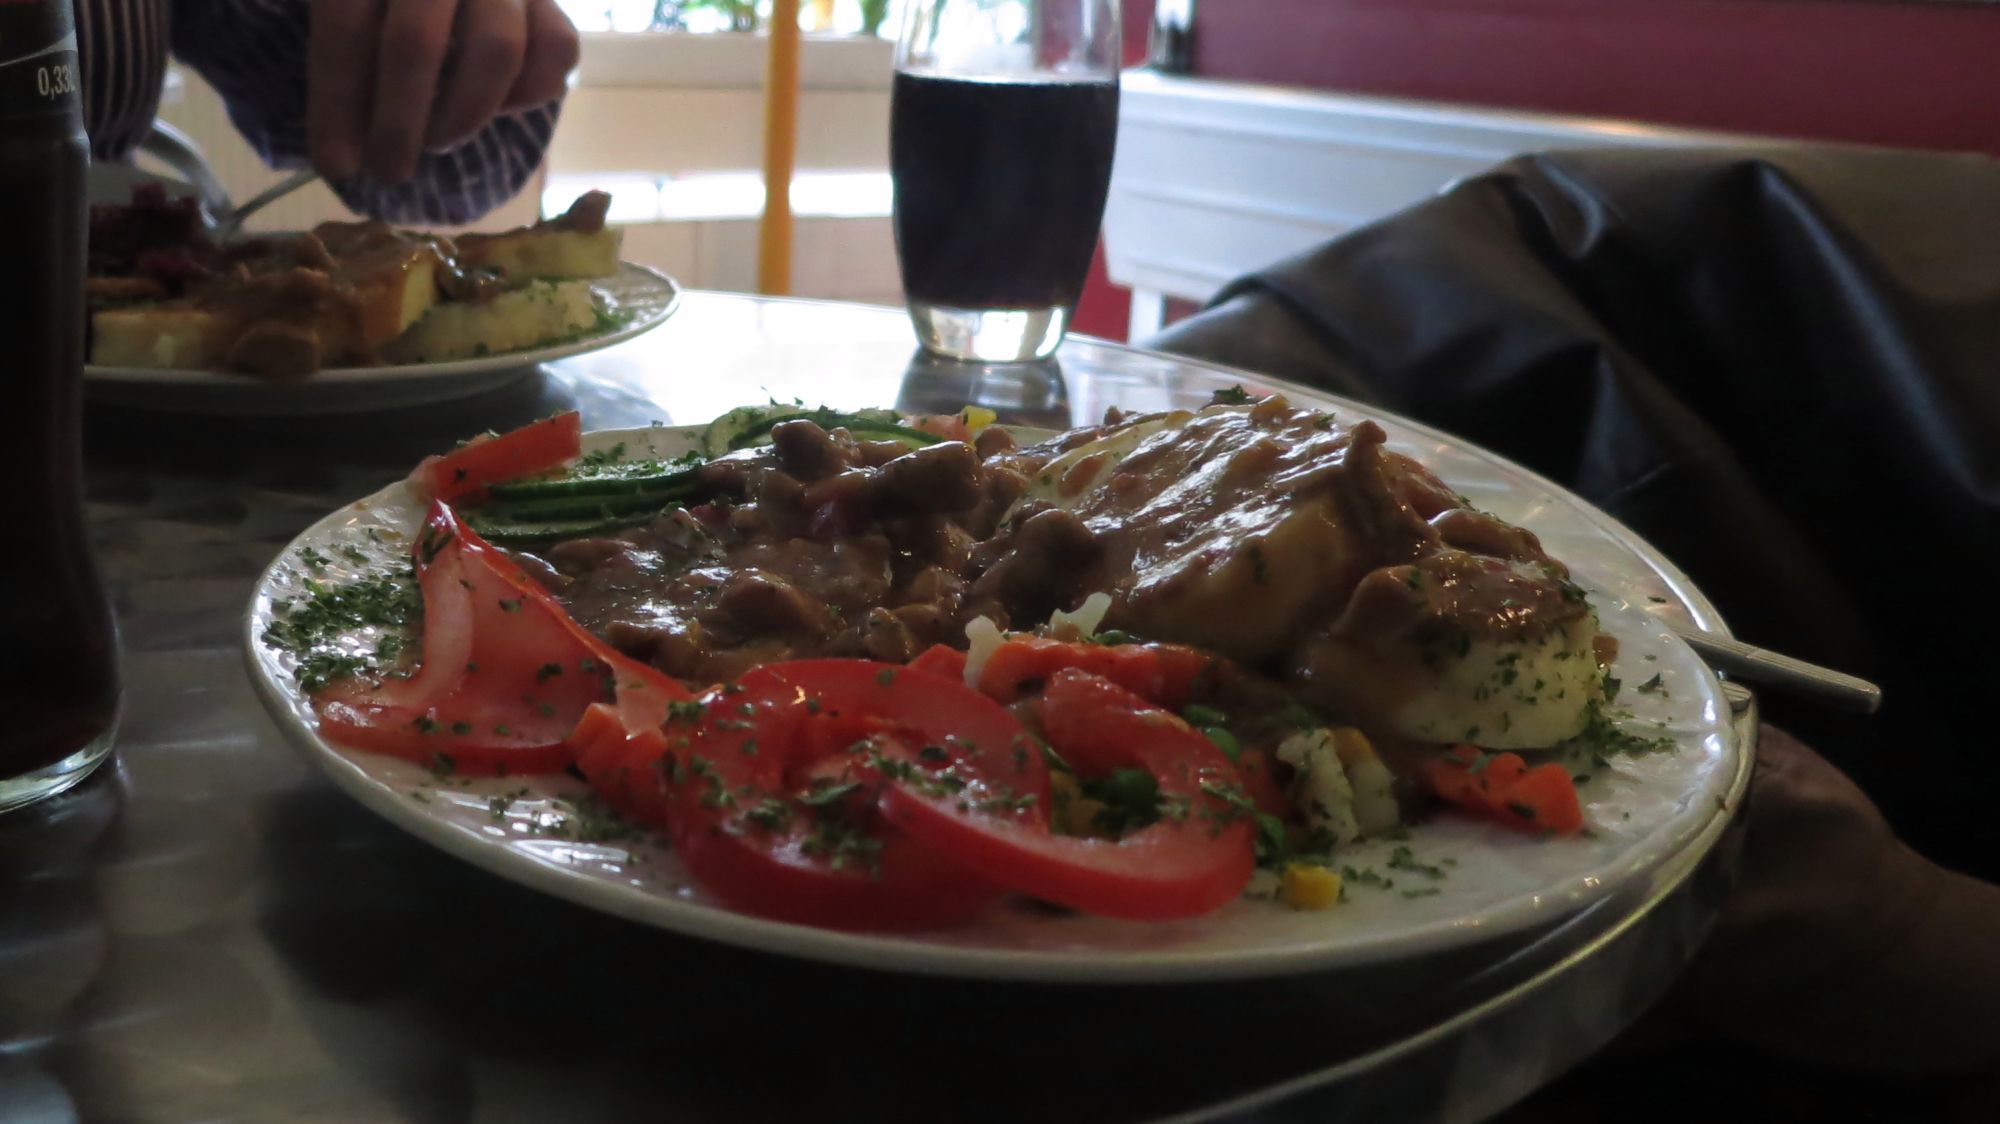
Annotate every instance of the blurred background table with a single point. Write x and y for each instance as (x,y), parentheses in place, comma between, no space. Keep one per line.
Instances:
(208,930)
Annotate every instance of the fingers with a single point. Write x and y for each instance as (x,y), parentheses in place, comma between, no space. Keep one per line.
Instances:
(552,54)
(387,79)
(413,37)
(340,77)
(490,42)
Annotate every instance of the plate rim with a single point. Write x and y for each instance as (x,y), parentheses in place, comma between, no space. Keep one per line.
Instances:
(335,379)
(905,954)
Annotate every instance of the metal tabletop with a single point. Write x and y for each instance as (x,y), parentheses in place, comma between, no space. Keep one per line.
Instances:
(208,930)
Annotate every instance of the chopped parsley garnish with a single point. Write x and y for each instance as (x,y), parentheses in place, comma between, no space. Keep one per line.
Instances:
(1602,737)
(598,458)
(1273,847)
(825,793)
(587,819)
(314,627)
(1131,799)
(1402,858)
(1231,396)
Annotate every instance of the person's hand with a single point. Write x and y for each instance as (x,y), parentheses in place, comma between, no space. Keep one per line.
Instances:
(387,80)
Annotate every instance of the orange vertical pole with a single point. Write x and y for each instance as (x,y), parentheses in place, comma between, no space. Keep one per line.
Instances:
(781,138)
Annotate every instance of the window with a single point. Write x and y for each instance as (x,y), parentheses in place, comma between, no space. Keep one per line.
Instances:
(834,17)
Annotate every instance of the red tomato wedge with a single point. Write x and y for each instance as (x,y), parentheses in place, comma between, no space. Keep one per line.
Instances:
(1162,674)
(951,427)
(775,784)
(1188,863)
(535,447)
(1503,788)
(622,766)
(1254,766)
(941,659)
(618,745)
(506,674)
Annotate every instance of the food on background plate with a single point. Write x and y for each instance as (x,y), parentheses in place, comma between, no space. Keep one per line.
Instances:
(344,294)
(875,672)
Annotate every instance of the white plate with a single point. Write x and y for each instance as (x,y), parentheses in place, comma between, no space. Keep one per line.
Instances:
(1642,809)
(646,296)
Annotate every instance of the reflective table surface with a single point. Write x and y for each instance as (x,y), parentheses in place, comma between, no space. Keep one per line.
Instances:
(208,930)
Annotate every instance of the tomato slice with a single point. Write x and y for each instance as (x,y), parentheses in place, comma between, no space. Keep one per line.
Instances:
(951,427)
(535,447)
(1503,788)
(1162,674)
(618,745)
(506,673)
(943,660)
(775,785)
(1254,767)
(1188,863)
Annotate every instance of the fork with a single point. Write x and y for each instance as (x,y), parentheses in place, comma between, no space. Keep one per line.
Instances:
(231,224)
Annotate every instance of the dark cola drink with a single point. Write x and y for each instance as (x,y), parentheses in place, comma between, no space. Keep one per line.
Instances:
(58,651)
(999,190)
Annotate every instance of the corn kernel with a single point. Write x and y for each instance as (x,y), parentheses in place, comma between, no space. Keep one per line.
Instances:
(1305,886)
(1080,816)
(977,418)
(1351,745)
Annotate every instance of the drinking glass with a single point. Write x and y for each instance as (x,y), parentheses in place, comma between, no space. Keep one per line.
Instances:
(1002,126)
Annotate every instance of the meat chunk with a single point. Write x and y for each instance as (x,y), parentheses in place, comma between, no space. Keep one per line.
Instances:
(1288,541)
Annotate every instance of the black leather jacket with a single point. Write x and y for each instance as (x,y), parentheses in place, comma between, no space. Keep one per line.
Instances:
(1781,367)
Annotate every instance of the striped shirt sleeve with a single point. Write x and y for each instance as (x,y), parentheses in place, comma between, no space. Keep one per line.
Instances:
(122,50)
(254,53)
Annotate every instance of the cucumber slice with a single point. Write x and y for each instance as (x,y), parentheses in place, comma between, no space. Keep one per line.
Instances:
(860,425)
(721,434)
(749,426)
(875,431)
(560,507)
(501,528)
(616,481)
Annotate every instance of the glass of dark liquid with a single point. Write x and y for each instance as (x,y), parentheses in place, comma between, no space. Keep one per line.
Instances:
(58,650)
(1002,126)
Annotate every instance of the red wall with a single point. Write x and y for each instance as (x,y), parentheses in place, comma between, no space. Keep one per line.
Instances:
(1105,309)
(1895,72)
(1902,72)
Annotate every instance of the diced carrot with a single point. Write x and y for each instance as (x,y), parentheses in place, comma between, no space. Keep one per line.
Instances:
(1498,774)
(1450,778)
(1502,787)
(1547,796)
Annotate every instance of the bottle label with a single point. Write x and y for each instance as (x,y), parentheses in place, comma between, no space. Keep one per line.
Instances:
(38,71)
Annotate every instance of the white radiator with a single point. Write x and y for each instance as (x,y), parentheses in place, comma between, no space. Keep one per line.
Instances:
(1216,179)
